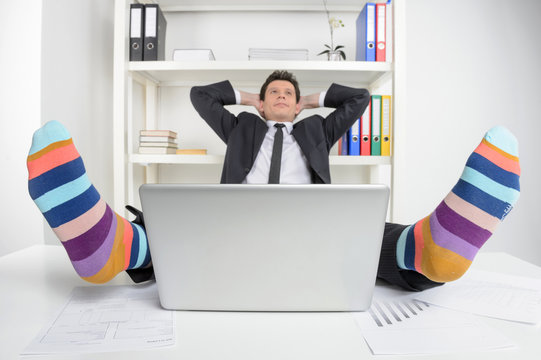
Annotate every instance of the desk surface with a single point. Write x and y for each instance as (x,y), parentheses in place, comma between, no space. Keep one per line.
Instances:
(36,281)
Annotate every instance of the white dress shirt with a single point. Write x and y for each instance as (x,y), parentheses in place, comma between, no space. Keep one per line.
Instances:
(294,168)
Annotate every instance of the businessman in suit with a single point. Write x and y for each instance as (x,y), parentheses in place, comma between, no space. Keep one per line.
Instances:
(306,143)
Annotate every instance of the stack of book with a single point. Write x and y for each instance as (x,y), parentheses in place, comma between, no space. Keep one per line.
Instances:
(157,142)
(277,54)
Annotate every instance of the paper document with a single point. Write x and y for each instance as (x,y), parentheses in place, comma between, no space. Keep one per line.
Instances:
(490,294)
(107,318)
(403,325)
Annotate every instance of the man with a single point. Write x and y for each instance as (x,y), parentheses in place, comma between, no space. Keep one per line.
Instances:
(435,249)
(249,139)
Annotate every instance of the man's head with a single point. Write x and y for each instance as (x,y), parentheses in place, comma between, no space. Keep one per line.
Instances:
(279,97)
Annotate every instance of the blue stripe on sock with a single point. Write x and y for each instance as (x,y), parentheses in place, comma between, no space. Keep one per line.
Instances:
(401,248)
(481,199)
(63,193)
(147,258)
(409,254)
(493,171)
(490,186)
(73,208)
(49,133)
(134,247)
(56,177)
(143,247)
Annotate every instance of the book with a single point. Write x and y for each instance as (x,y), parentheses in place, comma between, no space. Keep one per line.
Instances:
(193,54)
(157,150)
(192,151)
(366,34)
(354,139)
(137,21)
(158,144)
(155,27)
(167,133)
(162,139)
(375,146)
(381,12)
(386,121)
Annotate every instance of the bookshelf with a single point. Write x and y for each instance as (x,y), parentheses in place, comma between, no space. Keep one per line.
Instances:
(156,78)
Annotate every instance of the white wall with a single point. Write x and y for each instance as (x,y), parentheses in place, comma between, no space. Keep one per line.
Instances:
(20,24)
(77,82)
(472,65)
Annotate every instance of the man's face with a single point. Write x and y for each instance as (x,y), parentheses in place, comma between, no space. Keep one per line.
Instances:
(280,103)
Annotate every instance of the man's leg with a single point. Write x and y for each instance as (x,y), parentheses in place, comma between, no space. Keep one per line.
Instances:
(99,242)
(443,245)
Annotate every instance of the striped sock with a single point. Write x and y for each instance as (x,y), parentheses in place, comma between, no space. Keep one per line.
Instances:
(99,242)
(442,245)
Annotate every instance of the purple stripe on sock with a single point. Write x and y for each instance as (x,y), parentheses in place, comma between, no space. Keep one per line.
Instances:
(95,262)
(84,245)
(449,240)
(460,226)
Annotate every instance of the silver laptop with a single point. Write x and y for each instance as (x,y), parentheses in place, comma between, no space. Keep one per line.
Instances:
(265,247)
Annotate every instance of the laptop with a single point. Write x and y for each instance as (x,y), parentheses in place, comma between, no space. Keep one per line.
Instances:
(265,247)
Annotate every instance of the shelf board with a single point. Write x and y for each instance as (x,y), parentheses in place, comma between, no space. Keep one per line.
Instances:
(147,159)
(173,72)
(260,5)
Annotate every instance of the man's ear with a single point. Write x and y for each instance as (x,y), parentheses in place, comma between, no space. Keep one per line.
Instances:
(297,108)
(260,110)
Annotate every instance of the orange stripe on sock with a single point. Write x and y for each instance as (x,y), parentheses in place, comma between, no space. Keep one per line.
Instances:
(50,160)
(498,157)
(50,147)
(128,238)
(438,263)
(419,243)
(115,264)
(500,151)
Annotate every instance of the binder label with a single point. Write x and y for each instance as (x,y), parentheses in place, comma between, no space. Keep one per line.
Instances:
(135,30)
(370,24)
(150,22)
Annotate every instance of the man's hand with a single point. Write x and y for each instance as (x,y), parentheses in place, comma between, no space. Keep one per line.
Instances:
(251,100)
(309,102)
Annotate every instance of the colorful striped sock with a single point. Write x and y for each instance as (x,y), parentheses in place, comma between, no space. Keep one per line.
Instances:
(443,245)
(99,242)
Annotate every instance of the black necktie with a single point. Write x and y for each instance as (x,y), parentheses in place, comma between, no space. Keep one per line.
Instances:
(276,158)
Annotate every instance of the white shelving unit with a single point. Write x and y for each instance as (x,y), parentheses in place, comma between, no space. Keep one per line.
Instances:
(153,75)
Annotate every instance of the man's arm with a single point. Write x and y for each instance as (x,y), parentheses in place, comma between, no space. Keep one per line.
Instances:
(209,102)
(349,104)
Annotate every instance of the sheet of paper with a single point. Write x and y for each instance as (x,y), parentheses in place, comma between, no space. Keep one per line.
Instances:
(490,294)
(399,324)
(107,318)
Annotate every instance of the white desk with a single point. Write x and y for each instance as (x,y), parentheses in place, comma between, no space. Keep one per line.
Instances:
(36,281)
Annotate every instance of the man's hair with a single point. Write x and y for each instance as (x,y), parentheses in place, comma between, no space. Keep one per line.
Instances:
(281,75)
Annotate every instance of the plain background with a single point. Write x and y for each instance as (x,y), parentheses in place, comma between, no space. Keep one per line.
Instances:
(470,65)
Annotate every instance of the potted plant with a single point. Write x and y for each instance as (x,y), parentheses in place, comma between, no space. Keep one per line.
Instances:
(334,53)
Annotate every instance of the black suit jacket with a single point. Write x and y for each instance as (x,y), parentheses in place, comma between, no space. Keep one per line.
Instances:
(244,133)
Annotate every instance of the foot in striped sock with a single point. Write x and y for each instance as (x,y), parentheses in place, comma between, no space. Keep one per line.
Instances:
(443,245)
(99,242)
